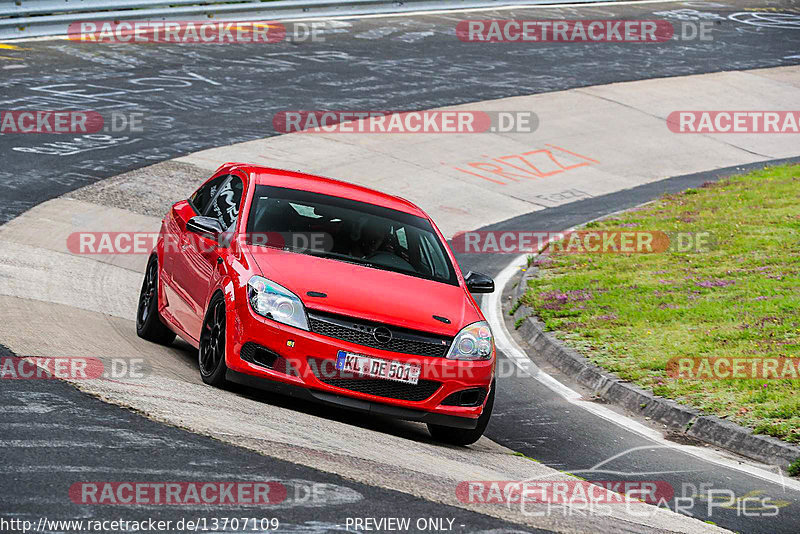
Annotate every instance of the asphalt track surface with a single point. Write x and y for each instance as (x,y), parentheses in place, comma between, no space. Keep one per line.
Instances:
(199,97)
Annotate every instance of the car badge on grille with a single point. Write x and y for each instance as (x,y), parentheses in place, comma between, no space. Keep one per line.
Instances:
(382,334)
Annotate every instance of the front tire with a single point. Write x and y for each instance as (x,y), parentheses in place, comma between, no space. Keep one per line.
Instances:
(463,436)
(211,355)
(148,322)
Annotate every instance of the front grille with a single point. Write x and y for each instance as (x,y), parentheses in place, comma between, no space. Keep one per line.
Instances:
(422,390)
(360,332)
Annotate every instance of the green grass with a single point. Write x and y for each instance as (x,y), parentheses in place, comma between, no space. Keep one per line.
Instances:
(794,468)
(631,313)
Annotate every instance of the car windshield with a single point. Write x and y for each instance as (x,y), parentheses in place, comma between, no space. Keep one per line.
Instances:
(348,230)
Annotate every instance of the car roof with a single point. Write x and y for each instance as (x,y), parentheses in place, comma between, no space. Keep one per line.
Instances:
(326,186)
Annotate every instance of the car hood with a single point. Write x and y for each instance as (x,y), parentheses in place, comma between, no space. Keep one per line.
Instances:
(369,293)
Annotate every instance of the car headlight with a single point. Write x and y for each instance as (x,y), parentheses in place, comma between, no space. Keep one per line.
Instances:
(474,342)
(276,302)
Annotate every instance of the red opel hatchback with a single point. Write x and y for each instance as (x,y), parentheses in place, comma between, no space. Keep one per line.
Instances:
(327,290)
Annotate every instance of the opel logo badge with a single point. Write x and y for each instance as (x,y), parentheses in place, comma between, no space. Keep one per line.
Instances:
(382,334)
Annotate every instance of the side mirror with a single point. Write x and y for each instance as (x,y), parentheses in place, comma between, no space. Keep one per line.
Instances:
(205,226)
(479,283)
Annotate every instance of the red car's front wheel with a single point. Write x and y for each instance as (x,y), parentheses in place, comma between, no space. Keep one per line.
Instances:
(461,436)
(212,343)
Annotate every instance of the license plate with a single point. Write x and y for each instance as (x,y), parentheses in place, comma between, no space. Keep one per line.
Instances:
(377,367)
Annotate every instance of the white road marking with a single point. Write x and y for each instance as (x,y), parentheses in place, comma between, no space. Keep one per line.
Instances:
(492,309)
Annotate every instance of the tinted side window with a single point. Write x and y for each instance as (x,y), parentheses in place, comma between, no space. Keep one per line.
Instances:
(225,206)
(203,196)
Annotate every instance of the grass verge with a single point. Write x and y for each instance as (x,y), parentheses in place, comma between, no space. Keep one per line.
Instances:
(632,313)
(794,468)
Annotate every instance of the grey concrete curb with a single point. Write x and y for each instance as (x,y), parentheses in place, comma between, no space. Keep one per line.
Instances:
(681,419)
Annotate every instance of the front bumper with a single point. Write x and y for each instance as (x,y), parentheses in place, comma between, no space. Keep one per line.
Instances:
(306,360)
(350,403)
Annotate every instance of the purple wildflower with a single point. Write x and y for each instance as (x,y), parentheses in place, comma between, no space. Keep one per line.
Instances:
(715,283)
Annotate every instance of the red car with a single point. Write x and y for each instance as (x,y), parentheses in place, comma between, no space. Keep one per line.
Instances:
(327,290)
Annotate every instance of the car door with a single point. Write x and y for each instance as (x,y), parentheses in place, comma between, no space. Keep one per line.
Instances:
(178,308)
(194,266)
